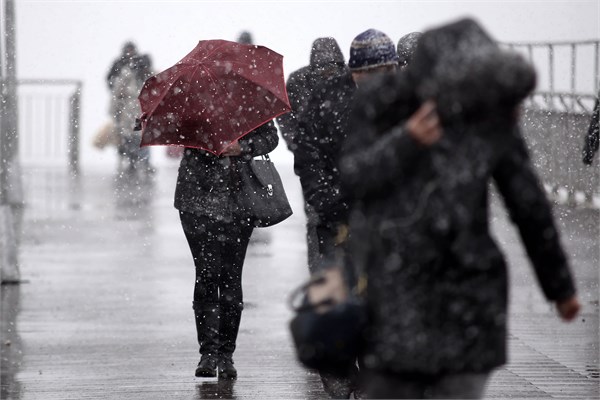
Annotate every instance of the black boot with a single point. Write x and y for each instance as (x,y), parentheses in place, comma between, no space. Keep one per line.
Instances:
(207,367)
(231,315)
(207,328)
(226,368)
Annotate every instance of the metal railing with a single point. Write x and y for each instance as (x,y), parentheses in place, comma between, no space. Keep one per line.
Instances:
(49,122)
(558,114)
(564,68)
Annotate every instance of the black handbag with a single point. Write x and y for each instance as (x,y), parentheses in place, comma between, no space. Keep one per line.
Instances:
(329,323)
(262,197)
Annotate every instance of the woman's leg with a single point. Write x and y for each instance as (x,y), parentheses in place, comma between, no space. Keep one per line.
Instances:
(202,237)
(234,245)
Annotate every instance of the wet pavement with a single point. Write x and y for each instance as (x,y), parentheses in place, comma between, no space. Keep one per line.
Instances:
(105,312)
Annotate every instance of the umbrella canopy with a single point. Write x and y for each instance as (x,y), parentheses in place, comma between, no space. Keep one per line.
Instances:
(215,95)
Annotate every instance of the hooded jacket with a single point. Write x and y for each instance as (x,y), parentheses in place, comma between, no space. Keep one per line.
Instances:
(437,281)
(326,61)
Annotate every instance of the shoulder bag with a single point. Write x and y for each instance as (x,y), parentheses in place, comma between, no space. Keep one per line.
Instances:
(262,197)
(329,322)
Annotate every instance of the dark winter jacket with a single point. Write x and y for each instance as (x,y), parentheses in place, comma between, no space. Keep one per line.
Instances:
(208,185)
(323,128)
(140,64)
(326,61)
(437,281)
(592,139)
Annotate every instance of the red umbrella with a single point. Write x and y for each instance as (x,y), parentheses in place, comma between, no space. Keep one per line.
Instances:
(215,95)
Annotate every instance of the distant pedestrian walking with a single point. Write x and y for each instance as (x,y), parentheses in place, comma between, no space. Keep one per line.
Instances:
(326,61)
(436,281)
(125,80)
(245,37)
(592,138)
(323,129)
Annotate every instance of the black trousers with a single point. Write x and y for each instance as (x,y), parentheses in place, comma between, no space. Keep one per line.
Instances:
(218,249)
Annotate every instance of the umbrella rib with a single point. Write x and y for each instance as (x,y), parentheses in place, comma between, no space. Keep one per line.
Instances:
(168,88)
(216,81)
(248,78)
(259,85)
(209,54)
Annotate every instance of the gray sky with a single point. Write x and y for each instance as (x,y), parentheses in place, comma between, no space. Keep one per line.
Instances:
(79,39)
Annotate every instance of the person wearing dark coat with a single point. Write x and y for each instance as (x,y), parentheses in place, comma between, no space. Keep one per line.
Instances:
(207,197)
(592,139)
(125,78)
(141,64)
(437,281)
(326,61)
(323,127)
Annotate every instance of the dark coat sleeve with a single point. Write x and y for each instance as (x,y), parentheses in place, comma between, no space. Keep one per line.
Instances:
(378,153)
(376,163)
(318,143)
(531,212)
(115,69)
(297,94)
(262,140)
(311,155)
(592,139)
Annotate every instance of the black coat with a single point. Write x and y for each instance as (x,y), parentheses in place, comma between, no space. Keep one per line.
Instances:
(208,185)
(326,61)
(323,128)
(141,65)
(437,281)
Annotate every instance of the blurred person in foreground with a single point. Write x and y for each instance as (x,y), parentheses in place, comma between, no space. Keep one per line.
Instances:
(419,174)
(322,130)
(326,61)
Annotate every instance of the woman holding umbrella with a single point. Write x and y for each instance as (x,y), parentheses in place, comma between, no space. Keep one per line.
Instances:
(218,102)
(218,236)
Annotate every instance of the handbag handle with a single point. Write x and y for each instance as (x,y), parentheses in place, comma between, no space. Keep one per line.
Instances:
(301,291)
(323,291)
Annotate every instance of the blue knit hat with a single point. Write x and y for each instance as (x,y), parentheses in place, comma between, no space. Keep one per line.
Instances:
(372,49)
